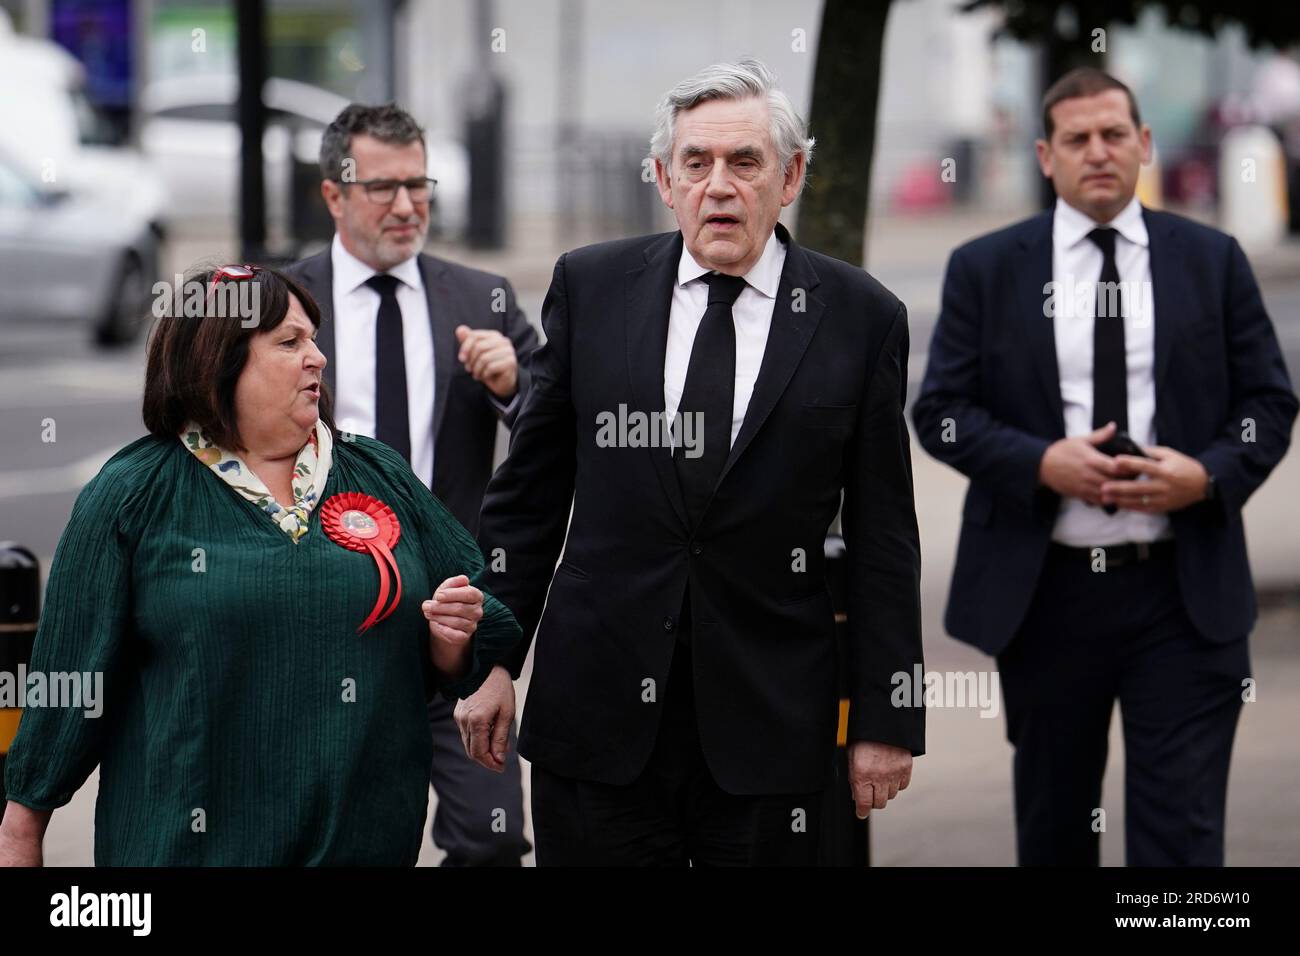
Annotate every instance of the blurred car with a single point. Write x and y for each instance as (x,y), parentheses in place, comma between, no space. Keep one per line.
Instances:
(190,131)
(71,256)
(50,130)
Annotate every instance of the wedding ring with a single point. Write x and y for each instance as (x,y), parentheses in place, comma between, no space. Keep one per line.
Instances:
(1145,501)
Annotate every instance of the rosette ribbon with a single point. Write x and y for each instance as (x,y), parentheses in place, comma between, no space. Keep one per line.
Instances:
(361,523)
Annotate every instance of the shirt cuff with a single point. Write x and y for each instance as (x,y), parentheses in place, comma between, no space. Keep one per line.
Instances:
(504,408)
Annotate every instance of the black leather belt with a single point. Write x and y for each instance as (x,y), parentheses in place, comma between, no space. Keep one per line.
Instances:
(1118,555)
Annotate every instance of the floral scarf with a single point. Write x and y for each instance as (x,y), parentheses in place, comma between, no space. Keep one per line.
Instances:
(310,472)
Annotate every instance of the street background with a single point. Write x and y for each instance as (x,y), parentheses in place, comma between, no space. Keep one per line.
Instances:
(589,74)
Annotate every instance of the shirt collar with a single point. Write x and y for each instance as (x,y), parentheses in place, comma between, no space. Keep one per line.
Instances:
(764,277)
(351,273)
(1070,226)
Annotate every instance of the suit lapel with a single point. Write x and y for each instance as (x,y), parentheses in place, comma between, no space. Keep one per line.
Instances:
(442,326)
(649,296)
(1032,278)
(787,340)
(1170,297)
(649,302)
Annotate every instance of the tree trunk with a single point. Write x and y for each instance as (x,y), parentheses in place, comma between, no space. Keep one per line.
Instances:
(846,93)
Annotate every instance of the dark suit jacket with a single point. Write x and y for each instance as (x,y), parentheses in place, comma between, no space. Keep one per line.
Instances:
(993,372)
(464,416)
(826,415)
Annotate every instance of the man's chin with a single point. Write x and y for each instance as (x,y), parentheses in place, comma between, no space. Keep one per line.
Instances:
(721,252)
(1103,192)
(395,252)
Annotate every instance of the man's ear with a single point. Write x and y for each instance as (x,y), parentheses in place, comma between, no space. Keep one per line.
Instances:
(794,174)
(1044,152)
(663,182)
(1144,137)
(332,193)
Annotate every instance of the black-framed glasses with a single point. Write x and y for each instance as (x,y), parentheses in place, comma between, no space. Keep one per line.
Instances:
(383,191)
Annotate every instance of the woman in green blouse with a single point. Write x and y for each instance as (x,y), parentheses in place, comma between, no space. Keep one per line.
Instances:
(246,721)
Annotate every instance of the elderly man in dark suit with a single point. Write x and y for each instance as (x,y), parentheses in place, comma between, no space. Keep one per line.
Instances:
(425,355)
(703,400)
(1109,380)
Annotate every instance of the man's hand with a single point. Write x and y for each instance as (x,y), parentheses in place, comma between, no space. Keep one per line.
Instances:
(453,615)
(1172,481)
(1074,468)
(484,720)
(490,357)
(877,772)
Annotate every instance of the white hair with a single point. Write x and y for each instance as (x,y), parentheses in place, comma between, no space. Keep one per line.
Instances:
(741,80)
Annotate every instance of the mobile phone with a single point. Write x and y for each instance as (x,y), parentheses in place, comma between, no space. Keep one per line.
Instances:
(1122,444)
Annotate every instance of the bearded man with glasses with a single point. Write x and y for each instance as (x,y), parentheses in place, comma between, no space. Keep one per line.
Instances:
(428,356)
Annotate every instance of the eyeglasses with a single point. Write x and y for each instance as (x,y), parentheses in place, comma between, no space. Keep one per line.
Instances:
(382,192)
(235,273)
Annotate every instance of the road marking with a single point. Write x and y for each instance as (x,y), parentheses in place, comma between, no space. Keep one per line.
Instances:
(54,481)
(70,383)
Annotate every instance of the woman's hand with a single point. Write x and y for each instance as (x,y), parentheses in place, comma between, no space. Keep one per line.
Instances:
(21,835)
(453,615)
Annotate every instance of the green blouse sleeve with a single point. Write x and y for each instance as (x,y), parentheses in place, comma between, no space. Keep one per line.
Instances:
(83,630)
(455,552)
(449,550)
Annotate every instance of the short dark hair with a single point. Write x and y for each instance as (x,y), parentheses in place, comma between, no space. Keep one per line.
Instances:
(1084,81)
(388,124)
(194,361)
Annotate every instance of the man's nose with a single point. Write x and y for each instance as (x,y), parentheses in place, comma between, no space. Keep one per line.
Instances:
(1096,151)
(402,205)
(719,183)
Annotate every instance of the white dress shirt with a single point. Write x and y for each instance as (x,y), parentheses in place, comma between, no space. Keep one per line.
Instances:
(1076,266)
(356,311)
(751,313)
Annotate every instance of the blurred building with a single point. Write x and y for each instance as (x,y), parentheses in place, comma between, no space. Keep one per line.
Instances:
(581,79)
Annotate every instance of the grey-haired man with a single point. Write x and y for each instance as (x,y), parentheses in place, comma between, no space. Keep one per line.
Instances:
(703,399)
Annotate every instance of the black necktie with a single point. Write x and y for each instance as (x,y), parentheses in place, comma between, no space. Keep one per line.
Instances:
(392,417)
(708,396)
(1109,371)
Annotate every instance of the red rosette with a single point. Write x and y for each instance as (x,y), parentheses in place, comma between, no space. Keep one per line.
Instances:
(361,523)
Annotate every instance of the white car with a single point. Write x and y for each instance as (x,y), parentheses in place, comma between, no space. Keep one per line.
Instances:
(189,130)
(72,256)
(48,127)
(79,223)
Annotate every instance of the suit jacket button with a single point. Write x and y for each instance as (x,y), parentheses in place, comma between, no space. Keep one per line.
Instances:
(697,549)
(668,624)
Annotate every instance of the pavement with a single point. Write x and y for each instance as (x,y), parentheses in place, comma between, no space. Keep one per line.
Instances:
(958,809)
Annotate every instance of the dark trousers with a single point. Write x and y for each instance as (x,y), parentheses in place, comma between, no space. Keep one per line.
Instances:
(674,813)
(479,819)
(1091,638)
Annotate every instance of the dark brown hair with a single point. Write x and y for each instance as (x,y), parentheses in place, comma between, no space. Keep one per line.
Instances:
(1084,81)
(198,348)
(389,124)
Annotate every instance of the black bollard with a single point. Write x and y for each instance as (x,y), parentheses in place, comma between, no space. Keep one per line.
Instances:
(20,599)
